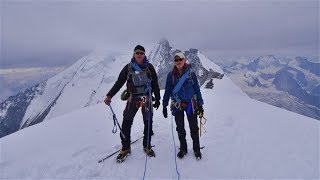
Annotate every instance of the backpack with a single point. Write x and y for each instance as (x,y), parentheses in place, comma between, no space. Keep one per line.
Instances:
(139,79)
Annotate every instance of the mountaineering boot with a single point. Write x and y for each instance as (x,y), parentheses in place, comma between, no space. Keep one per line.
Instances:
(122,155)
(198,155)
(181,153)
(149,152)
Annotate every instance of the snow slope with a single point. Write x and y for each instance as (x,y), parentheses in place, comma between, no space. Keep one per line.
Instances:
(244,139)
(82,84)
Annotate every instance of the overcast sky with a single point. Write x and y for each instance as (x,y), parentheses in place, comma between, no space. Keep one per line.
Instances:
(53,33)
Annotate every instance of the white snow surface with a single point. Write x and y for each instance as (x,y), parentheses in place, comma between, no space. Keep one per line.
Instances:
(208,64)
(83,84)
(244,139)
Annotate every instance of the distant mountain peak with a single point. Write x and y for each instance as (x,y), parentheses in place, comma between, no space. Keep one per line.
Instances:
(161,58)
(161,54)
(263,62)
(164,42)
(268,60)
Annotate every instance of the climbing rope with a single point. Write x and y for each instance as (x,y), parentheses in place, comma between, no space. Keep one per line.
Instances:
(175,149)
(115,123)
(148,138)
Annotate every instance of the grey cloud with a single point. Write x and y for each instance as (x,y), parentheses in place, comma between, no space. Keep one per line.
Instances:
(48,27)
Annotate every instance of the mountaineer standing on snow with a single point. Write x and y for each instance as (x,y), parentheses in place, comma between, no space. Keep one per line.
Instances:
(141,80)
(183,88)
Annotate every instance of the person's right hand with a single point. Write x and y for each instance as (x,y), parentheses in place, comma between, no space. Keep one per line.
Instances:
(165,112)
(107,100)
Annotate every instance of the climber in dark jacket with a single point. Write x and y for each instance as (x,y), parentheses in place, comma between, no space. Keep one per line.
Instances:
(138,85)
(183,88)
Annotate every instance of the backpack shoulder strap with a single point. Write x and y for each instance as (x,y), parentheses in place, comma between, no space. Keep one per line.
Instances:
(190,74)
(129,70)
(148,70)
(172,78)
(178,86)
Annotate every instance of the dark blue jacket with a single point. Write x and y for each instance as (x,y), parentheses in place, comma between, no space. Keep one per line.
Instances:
(188,89)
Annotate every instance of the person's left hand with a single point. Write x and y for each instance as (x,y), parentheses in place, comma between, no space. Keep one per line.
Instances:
(200,111)
(156,105)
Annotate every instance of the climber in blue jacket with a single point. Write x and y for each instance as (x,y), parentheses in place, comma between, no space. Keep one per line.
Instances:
(183,88)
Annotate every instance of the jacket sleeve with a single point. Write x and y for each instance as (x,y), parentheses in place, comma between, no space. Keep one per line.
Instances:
(154,83)
(120,82)
(197,89)
(167,92)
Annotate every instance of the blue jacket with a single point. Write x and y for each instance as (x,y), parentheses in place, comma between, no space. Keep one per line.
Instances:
(188,89)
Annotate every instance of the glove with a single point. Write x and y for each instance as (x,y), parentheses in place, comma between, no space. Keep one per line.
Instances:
(200,111)
(107,100)
(165,112)
(156,105)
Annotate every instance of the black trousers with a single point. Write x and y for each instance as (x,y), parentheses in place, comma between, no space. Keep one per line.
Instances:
(128,116)
(194,129)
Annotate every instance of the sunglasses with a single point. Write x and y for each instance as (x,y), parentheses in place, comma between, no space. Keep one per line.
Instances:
(176,60)
(139,53)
